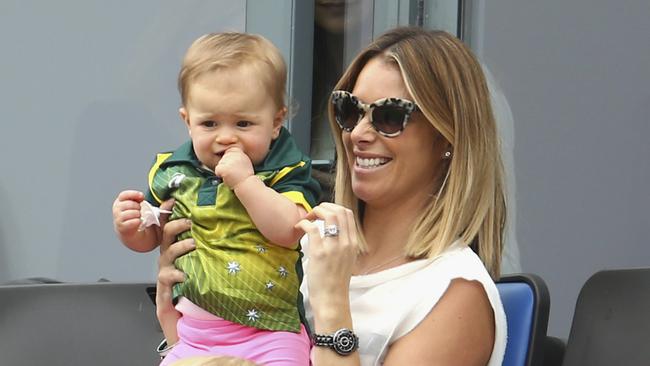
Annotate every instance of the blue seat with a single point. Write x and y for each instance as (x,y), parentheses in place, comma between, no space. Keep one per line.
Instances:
(526,301)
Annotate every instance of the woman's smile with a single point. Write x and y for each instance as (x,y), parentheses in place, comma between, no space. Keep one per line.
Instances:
(370,163)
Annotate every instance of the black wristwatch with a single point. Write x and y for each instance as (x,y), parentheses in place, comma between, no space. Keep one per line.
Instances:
(343,341)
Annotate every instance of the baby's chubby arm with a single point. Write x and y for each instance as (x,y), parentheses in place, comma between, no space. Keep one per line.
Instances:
(274,214)
(126,221)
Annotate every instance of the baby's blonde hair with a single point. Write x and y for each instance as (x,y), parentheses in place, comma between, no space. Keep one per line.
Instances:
(230,50)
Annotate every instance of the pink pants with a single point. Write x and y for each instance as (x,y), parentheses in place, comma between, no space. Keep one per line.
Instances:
(221,337)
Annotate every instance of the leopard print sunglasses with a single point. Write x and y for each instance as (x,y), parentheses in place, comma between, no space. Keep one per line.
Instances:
(388,116)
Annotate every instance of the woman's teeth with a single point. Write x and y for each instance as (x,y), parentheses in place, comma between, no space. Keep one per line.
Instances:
(371,163)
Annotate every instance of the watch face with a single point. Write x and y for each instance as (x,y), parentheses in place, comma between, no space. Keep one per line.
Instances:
(345,342)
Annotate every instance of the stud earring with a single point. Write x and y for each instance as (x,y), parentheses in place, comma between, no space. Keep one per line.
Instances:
(446,155)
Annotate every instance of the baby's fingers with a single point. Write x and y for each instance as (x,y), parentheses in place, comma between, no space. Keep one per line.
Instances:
(130,195)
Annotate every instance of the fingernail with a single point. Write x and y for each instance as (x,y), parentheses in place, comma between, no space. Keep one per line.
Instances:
(188,221)
(192,243)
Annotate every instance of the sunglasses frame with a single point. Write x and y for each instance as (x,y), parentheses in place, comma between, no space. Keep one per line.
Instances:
(408,106)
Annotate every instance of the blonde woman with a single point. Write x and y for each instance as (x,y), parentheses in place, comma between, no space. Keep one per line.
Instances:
(392,276)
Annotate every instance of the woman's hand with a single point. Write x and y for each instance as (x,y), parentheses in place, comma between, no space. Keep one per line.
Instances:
(168,274)
(331,259)
(329,270)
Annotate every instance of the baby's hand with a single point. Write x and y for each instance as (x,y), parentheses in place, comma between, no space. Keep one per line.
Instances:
(234,167)
(126,213)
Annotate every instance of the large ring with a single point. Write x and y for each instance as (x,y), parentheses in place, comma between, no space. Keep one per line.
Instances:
(330,230)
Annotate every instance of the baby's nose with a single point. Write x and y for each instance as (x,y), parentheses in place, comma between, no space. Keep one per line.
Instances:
(227,138)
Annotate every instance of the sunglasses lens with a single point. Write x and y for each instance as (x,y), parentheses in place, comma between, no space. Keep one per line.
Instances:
(388,119)
(346,113)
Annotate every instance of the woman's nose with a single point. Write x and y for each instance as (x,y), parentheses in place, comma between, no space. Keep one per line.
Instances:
(363,131)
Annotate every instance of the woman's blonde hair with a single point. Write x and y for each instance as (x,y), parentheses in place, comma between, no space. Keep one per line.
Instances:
(448,85)
(218,51)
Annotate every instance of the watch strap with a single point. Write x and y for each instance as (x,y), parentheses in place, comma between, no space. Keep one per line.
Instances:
(343,341)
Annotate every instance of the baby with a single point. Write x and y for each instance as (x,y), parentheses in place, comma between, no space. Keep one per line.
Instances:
(244,184)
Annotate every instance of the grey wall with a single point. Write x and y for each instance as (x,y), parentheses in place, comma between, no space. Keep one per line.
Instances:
(87,91)
(88,95)
(576,74)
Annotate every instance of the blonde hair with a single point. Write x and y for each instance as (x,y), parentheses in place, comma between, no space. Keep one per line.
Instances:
(213,361)
(448,85)
(218,51)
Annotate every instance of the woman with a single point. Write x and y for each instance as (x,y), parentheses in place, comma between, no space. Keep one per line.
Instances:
(419,182)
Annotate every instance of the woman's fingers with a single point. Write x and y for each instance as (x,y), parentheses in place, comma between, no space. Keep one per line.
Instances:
(332,256)
(352,227)
(169,255)
(171,230)
(325,213)
(167,206)
(169,276)
(341,217)
(307,226)
(340,242)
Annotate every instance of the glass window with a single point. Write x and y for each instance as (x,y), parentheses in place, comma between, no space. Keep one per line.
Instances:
(341,29)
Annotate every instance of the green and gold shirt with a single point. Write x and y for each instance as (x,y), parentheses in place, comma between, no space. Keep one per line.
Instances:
(235,272)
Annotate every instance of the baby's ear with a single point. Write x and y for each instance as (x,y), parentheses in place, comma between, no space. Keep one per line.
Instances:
(182,112)
(278,120)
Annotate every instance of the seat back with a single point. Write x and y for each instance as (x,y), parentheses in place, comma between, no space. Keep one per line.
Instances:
(78,324)
(525,300)
(611,325)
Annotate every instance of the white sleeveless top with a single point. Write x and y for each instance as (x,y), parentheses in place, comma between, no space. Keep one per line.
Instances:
(387,305)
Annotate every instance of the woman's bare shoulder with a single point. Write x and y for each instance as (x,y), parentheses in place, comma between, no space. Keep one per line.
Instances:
(459,330)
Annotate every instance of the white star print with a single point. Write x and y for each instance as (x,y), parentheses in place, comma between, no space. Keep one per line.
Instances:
(261,248)
(283,272)
(252,315)
(270,285)
(233,268)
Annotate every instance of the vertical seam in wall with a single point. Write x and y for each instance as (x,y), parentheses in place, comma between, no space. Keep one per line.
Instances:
(292,51)
(246,16)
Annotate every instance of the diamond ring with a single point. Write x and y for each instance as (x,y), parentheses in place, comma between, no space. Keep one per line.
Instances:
(330,230)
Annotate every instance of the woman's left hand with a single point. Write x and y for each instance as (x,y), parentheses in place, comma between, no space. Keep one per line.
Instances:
(331,257)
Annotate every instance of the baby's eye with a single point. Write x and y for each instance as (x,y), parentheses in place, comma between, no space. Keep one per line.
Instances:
(244,123)
(209,124)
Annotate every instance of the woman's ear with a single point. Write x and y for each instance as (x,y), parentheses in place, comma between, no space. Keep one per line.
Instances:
(278,120)
(186,118)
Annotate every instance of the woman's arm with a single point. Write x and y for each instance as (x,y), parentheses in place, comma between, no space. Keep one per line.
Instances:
(168,274)
(329,271)
(459,330)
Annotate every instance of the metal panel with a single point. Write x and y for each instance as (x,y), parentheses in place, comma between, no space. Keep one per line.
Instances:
(289,24)
(88,96)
